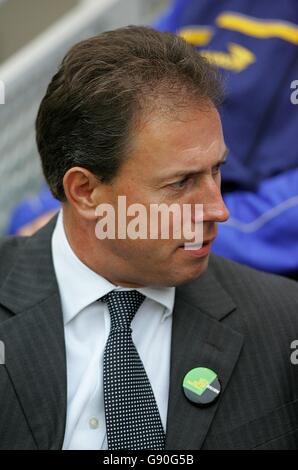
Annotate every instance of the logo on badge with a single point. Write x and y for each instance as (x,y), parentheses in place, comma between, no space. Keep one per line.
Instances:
(201,386)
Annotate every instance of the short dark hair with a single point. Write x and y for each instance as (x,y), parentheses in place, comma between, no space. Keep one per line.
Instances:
(87,114)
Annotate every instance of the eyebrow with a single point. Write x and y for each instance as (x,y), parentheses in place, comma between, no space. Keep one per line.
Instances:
(193,172)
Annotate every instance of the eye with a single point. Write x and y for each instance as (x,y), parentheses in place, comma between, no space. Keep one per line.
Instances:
(216,169)
(180,184)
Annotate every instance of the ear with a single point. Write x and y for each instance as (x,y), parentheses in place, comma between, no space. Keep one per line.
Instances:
(82,190)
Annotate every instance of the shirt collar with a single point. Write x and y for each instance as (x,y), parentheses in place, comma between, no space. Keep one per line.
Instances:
(77,294)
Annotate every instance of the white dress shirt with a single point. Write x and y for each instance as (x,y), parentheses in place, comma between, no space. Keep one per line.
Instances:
(87,327)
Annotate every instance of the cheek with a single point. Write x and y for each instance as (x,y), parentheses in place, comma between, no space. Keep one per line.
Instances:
(145,253)
(136,252)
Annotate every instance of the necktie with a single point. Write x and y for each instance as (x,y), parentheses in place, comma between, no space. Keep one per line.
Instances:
(132,416)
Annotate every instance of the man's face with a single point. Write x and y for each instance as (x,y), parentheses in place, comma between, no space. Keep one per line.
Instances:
(173,160)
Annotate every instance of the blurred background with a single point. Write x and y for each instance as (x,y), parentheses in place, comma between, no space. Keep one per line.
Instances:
(255,45)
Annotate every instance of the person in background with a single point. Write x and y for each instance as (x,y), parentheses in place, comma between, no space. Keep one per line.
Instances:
(33,213)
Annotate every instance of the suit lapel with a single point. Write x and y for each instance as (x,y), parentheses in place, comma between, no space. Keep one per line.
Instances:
(199,339)
(34,340)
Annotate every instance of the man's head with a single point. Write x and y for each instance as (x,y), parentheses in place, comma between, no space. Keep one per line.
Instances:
(127,112)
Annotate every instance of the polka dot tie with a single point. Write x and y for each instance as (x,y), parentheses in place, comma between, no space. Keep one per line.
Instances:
(132,417)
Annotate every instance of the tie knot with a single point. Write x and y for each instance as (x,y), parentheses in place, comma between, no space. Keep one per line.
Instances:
(122,306)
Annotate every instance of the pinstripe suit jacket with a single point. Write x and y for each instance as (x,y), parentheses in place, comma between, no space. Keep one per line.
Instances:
(234,320)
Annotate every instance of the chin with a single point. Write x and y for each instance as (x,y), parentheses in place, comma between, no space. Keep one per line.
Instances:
(188,274)
(192,277)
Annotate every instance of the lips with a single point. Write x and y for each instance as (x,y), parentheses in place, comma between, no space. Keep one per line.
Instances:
(198,253)
(202,251)
(205,242)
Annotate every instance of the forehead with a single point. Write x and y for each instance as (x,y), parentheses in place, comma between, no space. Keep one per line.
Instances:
(187,137)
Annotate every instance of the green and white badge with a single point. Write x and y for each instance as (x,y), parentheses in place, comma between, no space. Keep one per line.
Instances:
(201,386)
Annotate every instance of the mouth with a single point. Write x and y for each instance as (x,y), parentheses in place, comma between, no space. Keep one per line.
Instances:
(198,250)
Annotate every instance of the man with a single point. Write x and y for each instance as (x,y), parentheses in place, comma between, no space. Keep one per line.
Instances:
(134,342)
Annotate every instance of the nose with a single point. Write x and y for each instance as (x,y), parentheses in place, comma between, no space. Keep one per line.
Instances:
(213,205)
(216,211)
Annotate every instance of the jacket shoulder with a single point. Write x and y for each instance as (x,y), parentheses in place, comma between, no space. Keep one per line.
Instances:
(239,278)
(9,249)
(262,299)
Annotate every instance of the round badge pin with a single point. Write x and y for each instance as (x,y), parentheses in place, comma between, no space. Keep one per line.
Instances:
(201,386)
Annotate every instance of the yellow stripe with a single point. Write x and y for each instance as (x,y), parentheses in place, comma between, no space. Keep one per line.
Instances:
(237,58)
(258,28)
(197,36)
